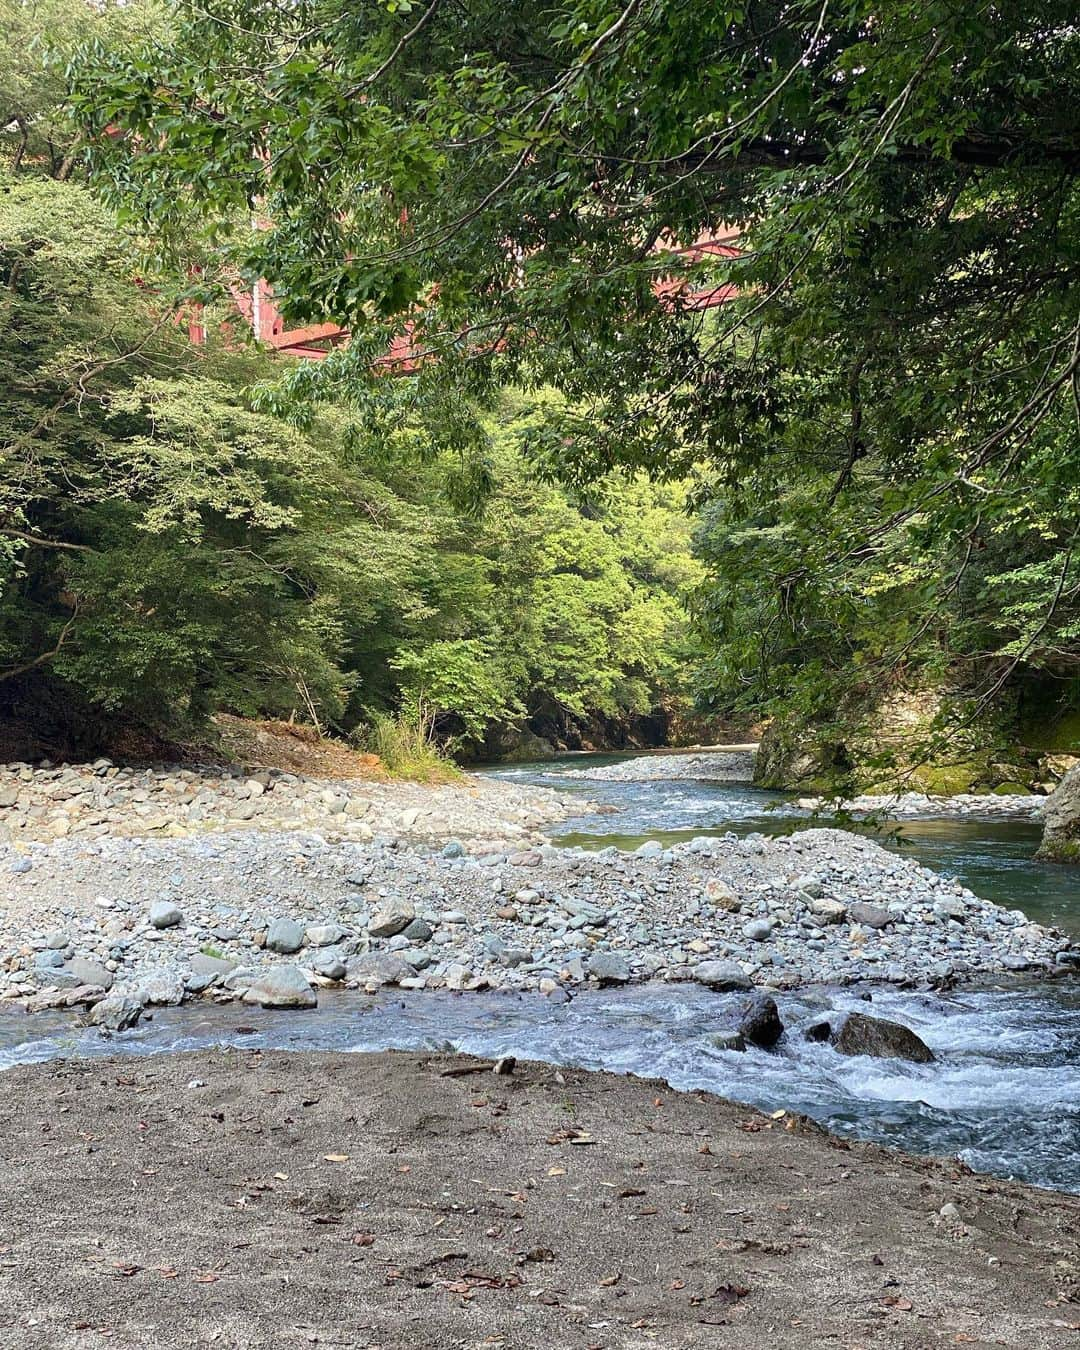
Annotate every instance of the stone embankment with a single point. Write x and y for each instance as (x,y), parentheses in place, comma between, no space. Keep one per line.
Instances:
(274,916)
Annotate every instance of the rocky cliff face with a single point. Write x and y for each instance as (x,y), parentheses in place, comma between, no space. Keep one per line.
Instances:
(1061,821)
(897,742)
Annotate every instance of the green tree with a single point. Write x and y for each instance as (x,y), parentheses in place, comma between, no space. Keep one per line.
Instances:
(887,411)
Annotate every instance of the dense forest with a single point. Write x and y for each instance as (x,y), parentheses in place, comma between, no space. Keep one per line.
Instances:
(877,433)
(178,538)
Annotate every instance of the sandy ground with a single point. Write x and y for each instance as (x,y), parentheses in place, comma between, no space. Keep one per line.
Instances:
(239,1199)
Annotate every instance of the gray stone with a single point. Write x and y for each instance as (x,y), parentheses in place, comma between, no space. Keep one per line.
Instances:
(758,930)
(162,987)
(211,966)
(609,968)
(116,1011)
(721,975)
(324,934)
(281,987)
(378,968)
(651,848)
(284,936)
(870,916)
(164,914)
(453,848)
(20,865)
(861,1034)
(88,972)
(418,930)
(393,917)
(329,965)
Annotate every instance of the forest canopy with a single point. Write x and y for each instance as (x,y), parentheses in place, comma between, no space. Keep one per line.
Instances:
(882,425)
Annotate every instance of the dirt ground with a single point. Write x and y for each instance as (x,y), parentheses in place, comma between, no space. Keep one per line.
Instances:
(240,1199)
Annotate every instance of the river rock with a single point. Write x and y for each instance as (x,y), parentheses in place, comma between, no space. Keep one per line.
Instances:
(870,916)
(758,930)
(281,987)
(861,1034)
(727,1040)
(88,972)
(829,911)
(378,968)
(329,965)
(117,1011)
(760,1023)
(284,936)
(720,894)
(394,917)
(721,975)
(324,934)
(609,968)
(164,914)
(161,987)
(418,930)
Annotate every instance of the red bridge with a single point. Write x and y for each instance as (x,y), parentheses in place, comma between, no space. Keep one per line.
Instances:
(316,341)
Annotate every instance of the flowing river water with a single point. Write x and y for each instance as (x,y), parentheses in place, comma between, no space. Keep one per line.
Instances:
(1003,1093)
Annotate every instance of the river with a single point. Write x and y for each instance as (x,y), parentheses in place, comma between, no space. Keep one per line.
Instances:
(1003,1094)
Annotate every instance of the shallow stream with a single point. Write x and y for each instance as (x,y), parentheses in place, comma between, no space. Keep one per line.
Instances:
(1003,1094)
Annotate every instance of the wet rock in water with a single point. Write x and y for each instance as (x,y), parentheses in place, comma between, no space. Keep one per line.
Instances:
(281,987)
(609,968)
(116,1011)
(870,916)
(721,975)
(818,1031)
(728,1040)
(284,936)
(162,987)
(394,917)
(860,1034)
(760,1023)
(164,914)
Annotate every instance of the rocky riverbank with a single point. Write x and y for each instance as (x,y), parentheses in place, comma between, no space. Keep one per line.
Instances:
(723,764)
(914,805)
(274,1200)
(106,800)
(273,917)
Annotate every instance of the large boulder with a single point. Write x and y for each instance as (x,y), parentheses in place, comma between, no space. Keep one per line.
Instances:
(284,936)
(1061,821)
(860,1034)
(721,975)
(281,987)
(117,1011)
(392,918)
(761,1024)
